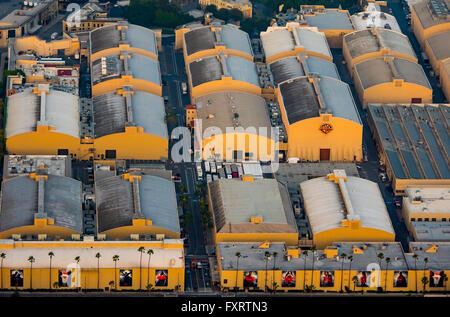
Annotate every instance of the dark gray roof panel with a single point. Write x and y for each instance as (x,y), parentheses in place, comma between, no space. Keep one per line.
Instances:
(205,70)
(110,114)
(286,68)
(198,40)
(104,38)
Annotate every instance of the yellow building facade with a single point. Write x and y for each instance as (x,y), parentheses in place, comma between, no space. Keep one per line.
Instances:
(445,77)
(426,21)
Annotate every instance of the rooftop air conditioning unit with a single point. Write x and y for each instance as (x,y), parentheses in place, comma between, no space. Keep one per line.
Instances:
(134,237)
(42,237)
(76,237)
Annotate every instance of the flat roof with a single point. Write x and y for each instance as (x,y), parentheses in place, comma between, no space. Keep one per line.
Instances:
(329,19)
(230,109)
(427,127)
(383,70)
(428,199)
(438,261)
(432,12)
(114,112)
(66,251)
(439,45)
(208,37)
(119,201)
(25,199)
(253,258)
(235,202)
(375,19)
(134,35)
(328,203)
(374,40)
(432,231)
(17,18)
(301,98)
(113,66)
(26,110)
(17,165)
(213,68)
(295,66)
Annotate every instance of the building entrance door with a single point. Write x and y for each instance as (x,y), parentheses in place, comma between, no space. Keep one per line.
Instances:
(324,154)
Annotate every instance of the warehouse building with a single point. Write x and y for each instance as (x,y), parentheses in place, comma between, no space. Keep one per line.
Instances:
(40,206)
(335,23)
(279,42)
(367,44)
(130,124)
(322,125)
(301,65)
(251,210)
(231,127)
(133,270)
(391,80)
(135,206)
(113,72)
(429,17)
(245,6)
(206,41)
(445,77)
(43,121)
(412,142)
(115,39)
(260,265)
(426,212)
(375,19)
(19,165)
(437,49)
(222,73)
(337,210)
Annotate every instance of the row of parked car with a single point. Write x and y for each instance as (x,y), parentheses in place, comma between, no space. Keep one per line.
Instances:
(215,170)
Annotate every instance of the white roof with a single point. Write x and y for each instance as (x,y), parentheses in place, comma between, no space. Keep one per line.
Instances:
(65,254)
(370,19)
(433,199)
(25,111)
(325,207)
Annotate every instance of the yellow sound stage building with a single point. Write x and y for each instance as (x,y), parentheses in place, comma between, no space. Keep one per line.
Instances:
(321,119)
(372,43)
(445,77)
(391,79)
(251,210)
(161,270)
(41,206)
(337,210)
(135,206)
(429,17)
(291,40)
(231,123)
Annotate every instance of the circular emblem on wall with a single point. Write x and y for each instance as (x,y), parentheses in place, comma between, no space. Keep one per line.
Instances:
(326,128)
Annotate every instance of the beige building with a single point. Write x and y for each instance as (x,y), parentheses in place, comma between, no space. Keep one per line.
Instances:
(245,6)
(445,77)
(437,48)
(429,17)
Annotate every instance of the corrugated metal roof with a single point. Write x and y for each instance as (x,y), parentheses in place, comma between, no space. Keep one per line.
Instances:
(116,201)
(313,41)
(62,202)
(277,41)
(439,44)
(324,204)
(24,112)
(199,39)
(331,19)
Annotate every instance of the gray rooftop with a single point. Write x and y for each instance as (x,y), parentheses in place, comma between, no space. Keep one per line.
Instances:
(432,12)
(440,260)
(439,44)
(301,100)
(18,165)
(119,202)
(330,20)
(134,35)
(113,112)
(374,40)
(235,202)
(205,38)
(382,70)
(415,139)
(431,231)
(296,66)
(24,199)
(213,68)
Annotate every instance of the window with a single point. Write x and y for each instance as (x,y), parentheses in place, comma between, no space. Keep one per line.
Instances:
(433,219)
(225,281)
(63,152)
(426,219)
(110,154)
(413,219)
(444,219)
(419,219)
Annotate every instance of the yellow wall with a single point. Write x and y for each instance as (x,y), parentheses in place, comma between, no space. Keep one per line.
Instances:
(399,185)
(422,34)
(288,238)
(295,52)
(138,84)
(41,226)
(140,226)
(335,37)
(213,52)
(445,77)
(44,48)
(122,48)
(345,234)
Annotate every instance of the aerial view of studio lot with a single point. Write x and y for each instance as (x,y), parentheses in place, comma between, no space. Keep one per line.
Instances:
(225,147)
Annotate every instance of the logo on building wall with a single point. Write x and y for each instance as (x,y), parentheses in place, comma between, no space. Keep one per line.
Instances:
(326,128)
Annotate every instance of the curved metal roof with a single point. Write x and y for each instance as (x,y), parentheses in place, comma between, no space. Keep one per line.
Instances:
(24,112)
(111,116)
(21,196)
(324,204)
(119,202)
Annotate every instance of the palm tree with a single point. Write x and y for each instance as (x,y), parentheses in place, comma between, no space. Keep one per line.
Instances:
(149,252)
(350,257)
(238,255)
(344,256)
(424,282)
(2,257)
(98,256)
(77,259)
(51,255)
(388,260)
(355,280)
(313,250)
(425,261)
(267,257)
(140,250)
(275,254)
(415,257)
(305,253)
(115,258)
(380,258)
(31,260)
